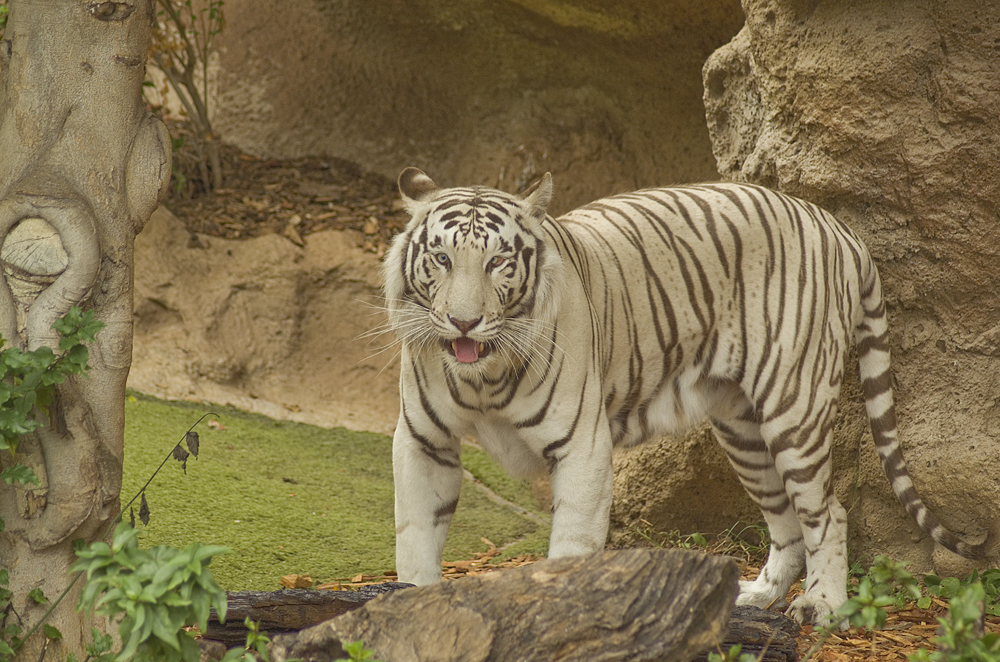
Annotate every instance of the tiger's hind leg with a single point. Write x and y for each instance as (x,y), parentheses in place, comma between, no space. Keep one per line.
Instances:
(739,435)
(801,447)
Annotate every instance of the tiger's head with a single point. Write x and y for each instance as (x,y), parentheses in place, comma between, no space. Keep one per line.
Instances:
(474,275)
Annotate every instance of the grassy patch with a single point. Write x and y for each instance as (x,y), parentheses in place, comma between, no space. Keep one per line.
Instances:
(290,498)
(486,470)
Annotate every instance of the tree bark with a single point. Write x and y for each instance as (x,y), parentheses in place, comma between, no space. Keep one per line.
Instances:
(84,165)
(769,636)
(636,604)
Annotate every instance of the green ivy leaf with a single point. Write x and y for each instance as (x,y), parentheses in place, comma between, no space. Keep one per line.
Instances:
(37,596)
(100,643)
(77,358)
(77,326)
(20,474)
(52,632)
(950,587)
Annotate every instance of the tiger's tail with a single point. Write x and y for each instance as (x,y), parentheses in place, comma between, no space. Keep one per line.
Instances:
(875,374)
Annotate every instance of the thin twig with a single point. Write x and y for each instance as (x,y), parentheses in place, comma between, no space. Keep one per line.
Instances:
(169,455)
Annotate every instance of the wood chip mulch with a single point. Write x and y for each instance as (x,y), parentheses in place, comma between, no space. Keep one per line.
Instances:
(905,631)
(293,197)
(479,564)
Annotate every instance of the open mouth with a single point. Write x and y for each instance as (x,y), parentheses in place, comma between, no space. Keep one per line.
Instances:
(467,350)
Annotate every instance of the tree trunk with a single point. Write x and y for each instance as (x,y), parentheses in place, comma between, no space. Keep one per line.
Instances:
(769,636)
(83,167)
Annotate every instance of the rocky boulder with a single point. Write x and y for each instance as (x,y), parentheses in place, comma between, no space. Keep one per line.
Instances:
(888,114)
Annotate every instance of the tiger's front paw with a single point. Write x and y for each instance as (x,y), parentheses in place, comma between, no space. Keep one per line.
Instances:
(816,611)
(762,594)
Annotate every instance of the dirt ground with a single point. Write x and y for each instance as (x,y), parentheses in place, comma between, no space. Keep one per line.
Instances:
(299,197)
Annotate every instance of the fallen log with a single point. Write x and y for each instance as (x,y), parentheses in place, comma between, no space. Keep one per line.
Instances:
(290,610)
(769,636)
(635,604)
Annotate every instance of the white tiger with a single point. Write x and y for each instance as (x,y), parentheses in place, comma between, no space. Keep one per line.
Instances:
(553,341)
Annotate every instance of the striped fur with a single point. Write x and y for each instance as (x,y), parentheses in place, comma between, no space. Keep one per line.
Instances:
(553,341)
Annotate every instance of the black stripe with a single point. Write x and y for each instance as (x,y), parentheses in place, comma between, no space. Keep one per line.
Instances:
(548,453)
(441,456)
(444,512)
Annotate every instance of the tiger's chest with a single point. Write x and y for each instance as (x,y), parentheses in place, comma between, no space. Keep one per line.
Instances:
(523,418)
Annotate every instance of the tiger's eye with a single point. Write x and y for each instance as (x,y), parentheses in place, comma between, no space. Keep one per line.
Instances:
(442,259)
(497,261)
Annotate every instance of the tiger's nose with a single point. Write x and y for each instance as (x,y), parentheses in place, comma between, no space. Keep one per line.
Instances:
(465,325)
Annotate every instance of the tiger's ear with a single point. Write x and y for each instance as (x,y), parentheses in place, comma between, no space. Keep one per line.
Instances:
(415,186)
(539,195)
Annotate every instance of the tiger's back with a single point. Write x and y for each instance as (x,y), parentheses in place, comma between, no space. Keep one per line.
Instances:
(698,278)
(553,340)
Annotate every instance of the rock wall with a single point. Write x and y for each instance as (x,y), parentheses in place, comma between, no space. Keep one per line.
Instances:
(264,325)
(888,114)
(606,96)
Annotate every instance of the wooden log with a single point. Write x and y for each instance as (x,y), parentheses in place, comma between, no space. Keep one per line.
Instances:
(769,636)
(635,604)
(279,612)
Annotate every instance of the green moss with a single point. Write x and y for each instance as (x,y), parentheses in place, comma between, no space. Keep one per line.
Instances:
(289,498)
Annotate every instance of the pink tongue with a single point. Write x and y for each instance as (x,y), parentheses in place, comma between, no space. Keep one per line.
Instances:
(466,349)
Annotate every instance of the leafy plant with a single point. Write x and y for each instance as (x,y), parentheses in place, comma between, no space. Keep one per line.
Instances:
(99,649)
(888,583)
(156,592)
(356,652)
(949,587)
(962,638)
(155,595)
(734,654)
(256,641)
(28,381)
